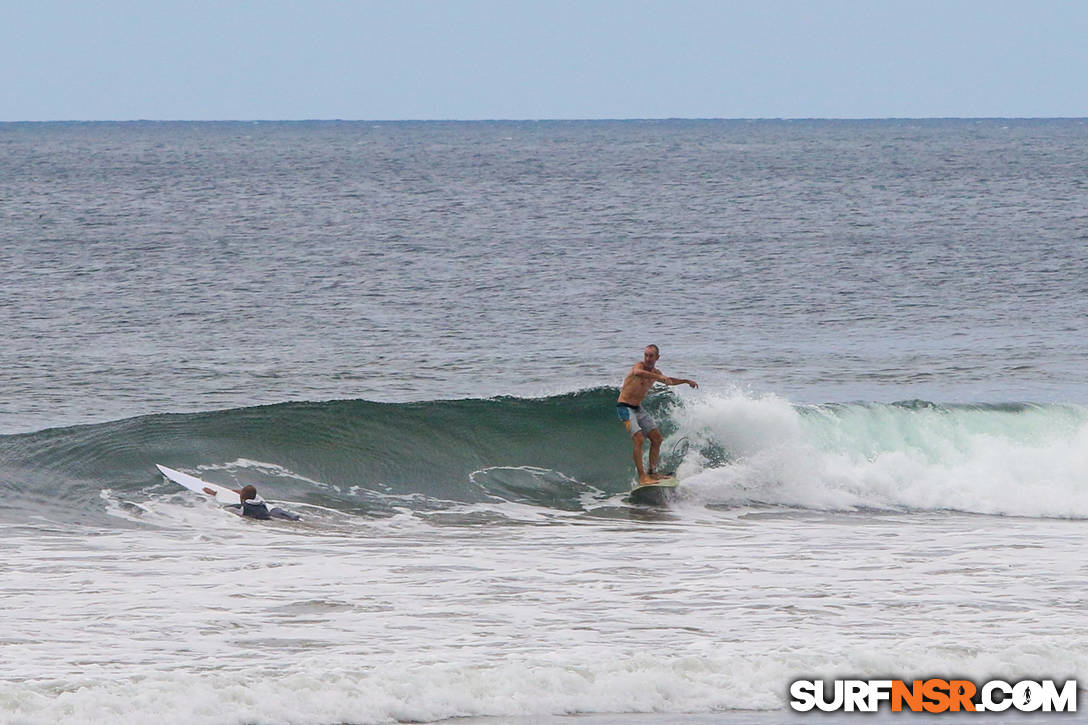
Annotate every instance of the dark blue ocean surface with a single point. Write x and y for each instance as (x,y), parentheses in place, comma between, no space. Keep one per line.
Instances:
(167,267)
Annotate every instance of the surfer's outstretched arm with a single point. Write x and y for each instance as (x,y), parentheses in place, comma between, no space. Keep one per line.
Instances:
(212,493)
(680,381)
(659,377)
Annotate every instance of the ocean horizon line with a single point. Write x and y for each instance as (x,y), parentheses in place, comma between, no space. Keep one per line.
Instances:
(634,119)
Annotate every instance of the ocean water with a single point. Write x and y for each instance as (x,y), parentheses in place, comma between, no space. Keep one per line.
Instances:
(413,334)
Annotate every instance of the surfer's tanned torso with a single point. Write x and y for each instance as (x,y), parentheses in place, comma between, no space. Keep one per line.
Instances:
(636,385)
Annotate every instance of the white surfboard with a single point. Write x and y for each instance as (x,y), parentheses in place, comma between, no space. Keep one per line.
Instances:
(223,494)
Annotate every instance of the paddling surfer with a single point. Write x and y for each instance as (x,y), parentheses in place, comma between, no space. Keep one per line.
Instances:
(253,506)
(639,423)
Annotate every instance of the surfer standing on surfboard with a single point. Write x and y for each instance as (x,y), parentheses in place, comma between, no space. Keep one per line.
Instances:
(639,423)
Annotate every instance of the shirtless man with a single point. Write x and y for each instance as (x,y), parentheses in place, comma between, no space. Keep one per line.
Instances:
(639,424)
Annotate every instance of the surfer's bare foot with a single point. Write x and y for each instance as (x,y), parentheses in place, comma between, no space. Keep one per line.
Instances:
(646,479)
(659,476)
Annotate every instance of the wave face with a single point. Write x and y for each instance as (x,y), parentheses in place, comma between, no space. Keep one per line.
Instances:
(568,452)
(356,456)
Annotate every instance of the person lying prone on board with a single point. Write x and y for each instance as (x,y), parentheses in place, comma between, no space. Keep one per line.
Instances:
(255,507)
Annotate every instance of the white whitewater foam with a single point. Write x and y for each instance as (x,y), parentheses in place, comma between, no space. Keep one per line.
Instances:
(218,621)
(427,692)
(1030,461)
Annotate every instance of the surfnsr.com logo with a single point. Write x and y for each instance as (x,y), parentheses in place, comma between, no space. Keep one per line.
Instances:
(933,695)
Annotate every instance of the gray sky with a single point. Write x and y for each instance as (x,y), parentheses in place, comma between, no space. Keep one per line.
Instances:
(532,59)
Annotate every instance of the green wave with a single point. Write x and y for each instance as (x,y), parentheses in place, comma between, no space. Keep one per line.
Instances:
(370,458)
(350,454)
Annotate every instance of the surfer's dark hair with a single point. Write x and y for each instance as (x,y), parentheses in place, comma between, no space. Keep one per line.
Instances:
(655,347)
(247,493)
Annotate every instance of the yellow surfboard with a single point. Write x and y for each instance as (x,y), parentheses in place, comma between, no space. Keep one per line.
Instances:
(658,493)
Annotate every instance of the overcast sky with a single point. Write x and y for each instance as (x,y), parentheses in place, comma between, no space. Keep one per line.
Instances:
(534,59)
